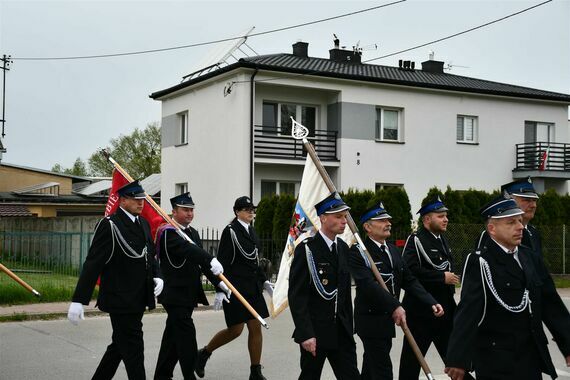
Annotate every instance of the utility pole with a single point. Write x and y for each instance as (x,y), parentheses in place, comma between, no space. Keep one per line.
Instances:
(5,67)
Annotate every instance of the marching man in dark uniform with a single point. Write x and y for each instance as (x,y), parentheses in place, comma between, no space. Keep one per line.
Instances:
(375,309)
(526,197)
(239,254)
(181,264)
(319,297)
(428,257)
(122,254)
(504,301)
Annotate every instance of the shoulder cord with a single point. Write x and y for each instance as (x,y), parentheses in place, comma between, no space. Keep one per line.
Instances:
(487,278)
(250,256)
(168,256)
(112,238)
(420,249)
(387,277)
(315,277)
(125,247)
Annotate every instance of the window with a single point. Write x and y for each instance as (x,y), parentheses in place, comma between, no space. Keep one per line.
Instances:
(181,188)
(388,125)
(270,188)
(538,132)
(380,186)
(277,117)
(182,128)
(467,129)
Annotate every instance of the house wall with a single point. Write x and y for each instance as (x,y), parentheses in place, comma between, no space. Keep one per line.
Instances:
(430,155)
(16,178)
(215,163)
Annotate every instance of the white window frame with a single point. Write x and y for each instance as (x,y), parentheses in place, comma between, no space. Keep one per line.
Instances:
(182,128)
(475,135)
(278,186)
(180,188)
(384,185)
(379,127)
(298,113)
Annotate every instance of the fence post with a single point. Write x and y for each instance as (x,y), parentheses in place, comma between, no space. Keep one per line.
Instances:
(564,248)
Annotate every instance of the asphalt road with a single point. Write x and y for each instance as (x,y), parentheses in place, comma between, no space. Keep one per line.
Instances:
(45,350)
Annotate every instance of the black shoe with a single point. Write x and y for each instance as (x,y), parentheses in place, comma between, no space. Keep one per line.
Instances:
(255,373)
(201,359)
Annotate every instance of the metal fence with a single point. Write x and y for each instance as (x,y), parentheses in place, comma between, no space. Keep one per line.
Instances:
(63,253)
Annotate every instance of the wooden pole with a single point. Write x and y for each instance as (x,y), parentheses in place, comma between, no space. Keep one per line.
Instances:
(330,185)
(169,220)
(19,280)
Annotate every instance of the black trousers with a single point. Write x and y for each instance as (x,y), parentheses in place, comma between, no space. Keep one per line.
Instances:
(376,363)
(341,359)
(127,345)
(425,331)
(178,344)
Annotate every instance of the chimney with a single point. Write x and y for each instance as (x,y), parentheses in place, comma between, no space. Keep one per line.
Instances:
(432,66)
(341,55)
(301,49)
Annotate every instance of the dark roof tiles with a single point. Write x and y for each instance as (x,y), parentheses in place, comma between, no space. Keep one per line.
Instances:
(378,74)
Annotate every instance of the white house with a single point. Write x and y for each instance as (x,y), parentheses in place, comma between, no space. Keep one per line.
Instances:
(225,132)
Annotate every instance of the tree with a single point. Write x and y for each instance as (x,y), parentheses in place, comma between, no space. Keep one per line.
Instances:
(79,168)
(138,153)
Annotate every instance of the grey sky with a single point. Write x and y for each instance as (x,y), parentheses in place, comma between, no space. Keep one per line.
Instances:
(60,110)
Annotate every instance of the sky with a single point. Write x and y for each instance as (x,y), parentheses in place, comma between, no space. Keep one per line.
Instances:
(59,110)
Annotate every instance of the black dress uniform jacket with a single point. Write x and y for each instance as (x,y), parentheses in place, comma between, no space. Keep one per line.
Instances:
(126,283)
(431,279)
(313,315)
(245,274)
(181,264)
(507,345)
(373,306)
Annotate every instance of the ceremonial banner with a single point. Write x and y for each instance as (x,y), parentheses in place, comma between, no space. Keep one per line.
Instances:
(544,159)
(305,223)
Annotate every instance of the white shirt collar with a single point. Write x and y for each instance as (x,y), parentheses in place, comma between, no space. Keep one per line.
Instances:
(244,224)
(515,253)
(131,216)
(434,235)
(327,240)
(380,244)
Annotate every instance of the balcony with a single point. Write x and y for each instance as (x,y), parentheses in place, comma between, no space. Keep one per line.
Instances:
(273,142)
(542,159)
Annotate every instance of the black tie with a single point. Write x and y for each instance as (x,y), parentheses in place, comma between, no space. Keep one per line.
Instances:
(250,230)
(137,221)
(383,248)
(333,248)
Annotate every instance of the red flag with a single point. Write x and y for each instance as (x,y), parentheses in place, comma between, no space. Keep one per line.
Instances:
(544,159)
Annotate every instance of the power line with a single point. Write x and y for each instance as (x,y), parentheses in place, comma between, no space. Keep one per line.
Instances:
(460,33)
(207,42)
(412,48)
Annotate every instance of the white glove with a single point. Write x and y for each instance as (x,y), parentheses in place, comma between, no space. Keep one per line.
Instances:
(220,298)
(158,286)
(216,267)
(225,289)
(268,286)
(75,313)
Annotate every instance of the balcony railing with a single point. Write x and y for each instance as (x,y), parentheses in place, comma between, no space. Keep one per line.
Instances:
(543,156)
(273,142)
